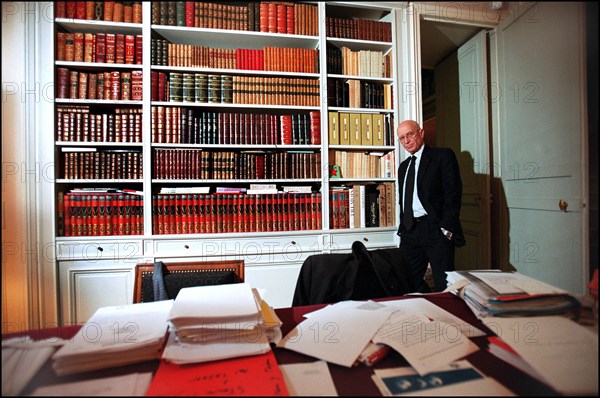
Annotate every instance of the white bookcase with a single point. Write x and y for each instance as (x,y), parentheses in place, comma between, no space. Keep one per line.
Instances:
(97,270)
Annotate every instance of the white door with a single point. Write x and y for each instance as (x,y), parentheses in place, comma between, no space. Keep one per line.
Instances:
(462,122)
(542,124)
(474,154)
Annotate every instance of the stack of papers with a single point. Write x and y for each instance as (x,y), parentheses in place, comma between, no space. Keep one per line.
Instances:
(217,322)
(495,293)
(114,336)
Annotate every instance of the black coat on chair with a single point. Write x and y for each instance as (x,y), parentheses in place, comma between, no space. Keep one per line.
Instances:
(360,275)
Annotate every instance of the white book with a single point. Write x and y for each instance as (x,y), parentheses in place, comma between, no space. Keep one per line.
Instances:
(263,186)
(363,204)
(231,189)
(77,149)
(351,208)
(185,190)
(299,189)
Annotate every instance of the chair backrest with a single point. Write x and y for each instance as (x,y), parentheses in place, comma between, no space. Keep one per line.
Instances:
(177,275)
(360,275)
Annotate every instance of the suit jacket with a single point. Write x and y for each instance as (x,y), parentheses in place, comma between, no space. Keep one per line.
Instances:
(439,188)
(360,275)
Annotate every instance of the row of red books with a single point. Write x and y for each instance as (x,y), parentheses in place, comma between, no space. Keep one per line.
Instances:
(114,11)
(265,16)
(287,17)
(303,60)
(200,213)
(115,48)
(301,129)
(113,85)
(108,164)
(75,123)
(103,214)
(358,29)
(200,164)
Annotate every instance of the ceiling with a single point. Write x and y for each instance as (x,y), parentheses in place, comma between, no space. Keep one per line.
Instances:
(440,39)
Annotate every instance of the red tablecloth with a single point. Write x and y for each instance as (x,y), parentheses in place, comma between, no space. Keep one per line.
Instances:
(355,381)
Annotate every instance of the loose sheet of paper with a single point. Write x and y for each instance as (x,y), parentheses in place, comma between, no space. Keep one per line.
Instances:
(308,379)
(425,344)
(562,351)
(338,333)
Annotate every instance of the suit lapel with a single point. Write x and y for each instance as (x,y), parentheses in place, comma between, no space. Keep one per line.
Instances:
(423,166)
(402,174)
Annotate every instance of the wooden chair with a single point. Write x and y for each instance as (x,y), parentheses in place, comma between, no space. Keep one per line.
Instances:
(177,275)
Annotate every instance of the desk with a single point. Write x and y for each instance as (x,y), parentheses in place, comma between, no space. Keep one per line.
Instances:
(354,381)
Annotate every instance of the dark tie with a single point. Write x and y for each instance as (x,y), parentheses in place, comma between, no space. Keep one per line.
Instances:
(407,217)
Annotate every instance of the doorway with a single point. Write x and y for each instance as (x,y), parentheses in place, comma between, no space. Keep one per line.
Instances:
(456,114)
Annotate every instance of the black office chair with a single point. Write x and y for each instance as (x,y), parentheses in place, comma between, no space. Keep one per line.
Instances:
(177,275)
(359,275)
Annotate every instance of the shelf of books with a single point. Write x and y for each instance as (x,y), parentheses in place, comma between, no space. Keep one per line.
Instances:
(176,120)
(360,118)
(236,99)
(98,104)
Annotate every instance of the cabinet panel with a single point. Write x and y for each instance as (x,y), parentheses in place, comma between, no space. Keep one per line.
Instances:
(264,246)
(92,251)
(371,240)
(278,281)
(86,287)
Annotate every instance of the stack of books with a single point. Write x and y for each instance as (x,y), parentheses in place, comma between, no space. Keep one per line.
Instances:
(215,322)
(495,293)
(115,336)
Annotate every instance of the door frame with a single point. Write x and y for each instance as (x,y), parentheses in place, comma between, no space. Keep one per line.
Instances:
(411,106)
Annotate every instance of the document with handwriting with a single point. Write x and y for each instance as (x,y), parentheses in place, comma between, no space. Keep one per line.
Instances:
(256,375)
(436,313)
(425,344)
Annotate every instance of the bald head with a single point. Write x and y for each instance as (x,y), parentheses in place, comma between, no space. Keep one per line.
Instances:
(411,135)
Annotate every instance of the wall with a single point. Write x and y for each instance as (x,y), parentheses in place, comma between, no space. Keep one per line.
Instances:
(29,285)
(14,270)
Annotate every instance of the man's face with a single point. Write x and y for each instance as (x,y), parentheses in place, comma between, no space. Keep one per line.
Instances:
(411,136)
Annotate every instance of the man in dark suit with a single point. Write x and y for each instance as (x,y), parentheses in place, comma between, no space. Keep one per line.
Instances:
(430,226)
